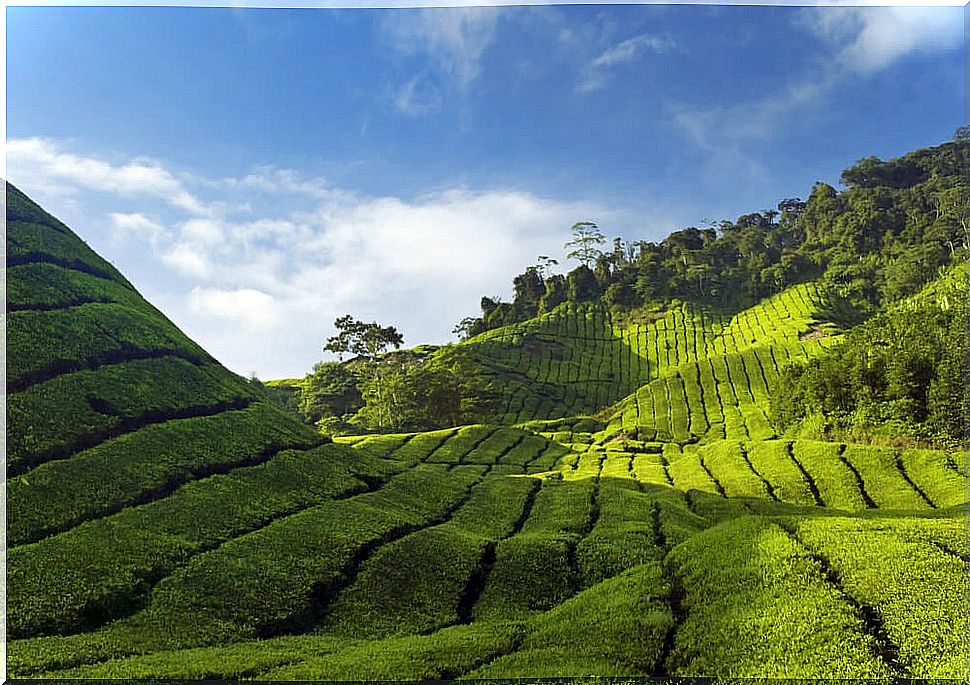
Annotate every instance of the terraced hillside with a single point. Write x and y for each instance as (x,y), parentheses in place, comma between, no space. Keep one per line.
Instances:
(691,374)
(166,522)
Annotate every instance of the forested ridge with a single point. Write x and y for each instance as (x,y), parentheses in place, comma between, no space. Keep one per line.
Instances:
(896,226)
(733,453)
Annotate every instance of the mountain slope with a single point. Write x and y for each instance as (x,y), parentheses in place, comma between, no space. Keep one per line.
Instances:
(110,407)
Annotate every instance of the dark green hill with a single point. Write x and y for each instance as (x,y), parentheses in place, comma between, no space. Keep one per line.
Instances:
(112,409)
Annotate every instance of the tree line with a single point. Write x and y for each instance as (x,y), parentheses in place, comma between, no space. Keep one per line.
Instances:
(895,224)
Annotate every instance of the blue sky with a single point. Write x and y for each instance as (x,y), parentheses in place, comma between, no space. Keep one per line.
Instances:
(258,172)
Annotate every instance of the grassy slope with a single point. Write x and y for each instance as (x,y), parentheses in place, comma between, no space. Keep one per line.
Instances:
(164,522)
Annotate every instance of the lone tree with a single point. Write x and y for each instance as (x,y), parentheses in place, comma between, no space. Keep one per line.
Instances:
(586,236)
(366,340)
(363,339)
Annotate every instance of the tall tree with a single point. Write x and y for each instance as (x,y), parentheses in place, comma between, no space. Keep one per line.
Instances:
(545,266)
(586,236)
(366,340)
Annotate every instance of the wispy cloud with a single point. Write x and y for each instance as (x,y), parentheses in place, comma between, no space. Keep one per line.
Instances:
(451,42)
(259,288)
(858,42)
(868,40)
(596,71)
(630,48)
(418,97)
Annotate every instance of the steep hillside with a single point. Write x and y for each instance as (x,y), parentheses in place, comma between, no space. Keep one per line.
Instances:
(114,413)
(165,521)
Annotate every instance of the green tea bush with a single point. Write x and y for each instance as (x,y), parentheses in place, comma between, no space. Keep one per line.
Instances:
(931,472)
(75,411)
(773,461)
(884,483)
(836,484)
(755,602)
(49,286)
(44,344)
(909,584)
(144,465)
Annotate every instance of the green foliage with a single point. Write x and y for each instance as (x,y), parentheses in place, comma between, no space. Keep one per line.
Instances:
(142,465)
(756,602)
(176,523)
(901,372)
(73,411)
(362,339)
(902,570)
(443,390)
(40,285)
(554,294)
(43,344)
(330,391)
(837,486)
(581,284)
(586,236)
(623,536)
(617,627)
(936,475)
(878,240)
(388,598)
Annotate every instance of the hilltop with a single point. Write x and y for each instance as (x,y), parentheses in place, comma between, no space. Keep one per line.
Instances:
(627,506)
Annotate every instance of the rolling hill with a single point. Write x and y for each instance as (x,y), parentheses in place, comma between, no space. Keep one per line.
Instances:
(631,511)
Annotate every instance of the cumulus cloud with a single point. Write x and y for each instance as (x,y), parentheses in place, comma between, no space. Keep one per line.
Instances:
(252,309)
(138,226)
(869,39)
(188,259)
(260,288)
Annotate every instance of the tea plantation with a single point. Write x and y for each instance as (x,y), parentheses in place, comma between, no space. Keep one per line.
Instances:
(630,511)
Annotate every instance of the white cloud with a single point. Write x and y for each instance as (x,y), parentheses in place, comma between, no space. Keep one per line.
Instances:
(272,180)
(136,225)
(202,231)
(595,73)
(42,158)
(260,289)
(188,259)
(252,309)
(630,48)
(454,38)
(452,41)
(872,39)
